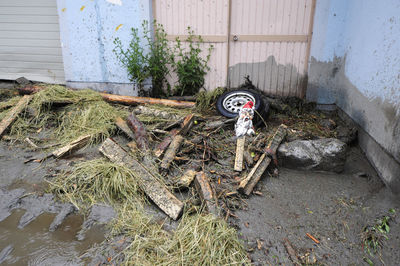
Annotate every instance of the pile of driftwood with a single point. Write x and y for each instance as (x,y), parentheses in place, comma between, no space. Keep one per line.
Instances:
(156,158)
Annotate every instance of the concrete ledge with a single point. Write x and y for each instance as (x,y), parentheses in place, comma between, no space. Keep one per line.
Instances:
(387,167)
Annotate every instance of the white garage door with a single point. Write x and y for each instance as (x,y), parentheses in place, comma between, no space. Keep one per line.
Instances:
(30,44)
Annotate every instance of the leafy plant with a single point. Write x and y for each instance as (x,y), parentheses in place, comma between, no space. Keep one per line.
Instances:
(142,65)
(133,58)
(189,65)
(373,236)
(159,57)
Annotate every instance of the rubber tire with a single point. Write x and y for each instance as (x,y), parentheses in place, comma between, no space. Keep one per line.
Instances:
(259,105)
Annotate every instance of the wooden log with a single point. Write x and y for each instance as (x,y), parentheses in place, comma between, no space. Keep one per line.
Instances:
(163,145)
(13,113)
(131,100)
(247,185)
(239,153)
(186,179)
(140,132)
(171,152)
(220,123)
(71,147)
(156,191)
(206,193)
(123,126)
(186,125)
(158,113)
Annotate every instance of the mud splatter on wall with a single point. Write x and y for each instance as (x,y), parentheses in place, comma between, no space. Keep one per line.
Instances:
(355,63)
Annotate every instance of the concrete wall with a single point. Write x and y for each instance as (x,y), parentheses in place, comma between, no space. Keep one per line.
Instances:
(88,29)
(355,64)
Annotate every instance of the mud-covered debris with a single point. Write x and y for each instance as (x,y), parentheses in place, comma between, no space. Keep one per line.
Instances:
(346,134)
(99,214)
(66,210)
(5,252)
(322,154)
(9,200)
(35,205)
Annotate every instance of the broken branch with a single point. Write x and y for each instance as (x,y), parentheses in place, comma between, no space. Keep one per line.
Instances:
(13,113)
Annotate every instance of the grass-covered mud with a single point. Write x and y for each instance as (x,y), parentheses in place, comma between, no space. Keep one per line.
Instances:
(352,215)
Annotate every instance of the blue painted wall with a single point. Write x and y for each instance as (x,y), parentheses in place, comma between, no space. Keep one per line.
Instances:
(88,29)
(355,64)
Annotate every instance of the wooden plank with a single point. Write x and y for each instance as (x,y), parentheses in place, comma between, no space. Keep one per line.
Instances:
(13,113)
(247,185)
(206,193)
(239,153)
(171,152)
(156,191)
(71,147)
(123,126)
(269,38)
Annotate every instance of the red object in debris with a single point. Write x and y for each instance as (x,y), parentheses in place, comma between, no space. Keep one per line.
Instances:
(249,105)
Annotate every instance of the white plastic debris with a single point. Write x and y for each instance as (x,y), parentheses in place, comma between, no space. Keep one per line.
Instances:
(244,124)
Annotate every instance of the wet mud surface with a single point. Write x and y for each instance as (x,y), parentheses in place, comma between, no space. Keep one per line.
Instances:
(35,229)
(333,208)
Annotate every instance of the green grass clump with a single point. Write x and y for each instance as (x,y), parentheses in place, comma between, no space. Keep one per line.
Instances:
(205,100)
(198,240)
(96,181)
(84,114)
(205,240)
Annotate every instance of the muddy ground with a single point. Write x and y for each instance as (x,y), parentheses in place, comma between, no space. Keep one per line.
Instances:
(273,222)
(334,208)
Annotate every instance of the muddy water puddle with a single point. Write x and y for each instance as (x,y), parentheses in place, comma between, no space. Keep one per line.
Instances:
(36,245)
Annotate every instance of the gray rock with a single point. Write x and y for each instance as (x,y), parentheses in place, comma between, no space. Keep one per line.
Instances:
(22,81)
(322,154)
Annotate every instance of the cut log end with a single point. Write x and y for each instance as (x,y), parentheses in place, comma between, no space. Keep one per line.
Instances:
(206,193)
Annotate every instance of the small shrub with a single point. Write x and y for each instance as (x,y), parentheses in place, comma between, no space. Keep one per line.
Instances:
(133,58)
(141,65)
(190,67)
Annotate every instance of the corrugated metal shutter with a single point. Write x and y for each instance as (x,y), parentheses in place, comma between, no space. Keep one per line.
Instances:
(30,44)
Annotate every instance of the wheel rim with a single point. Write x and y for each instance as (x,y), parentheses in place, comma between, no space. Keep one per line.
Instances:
(235,101)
